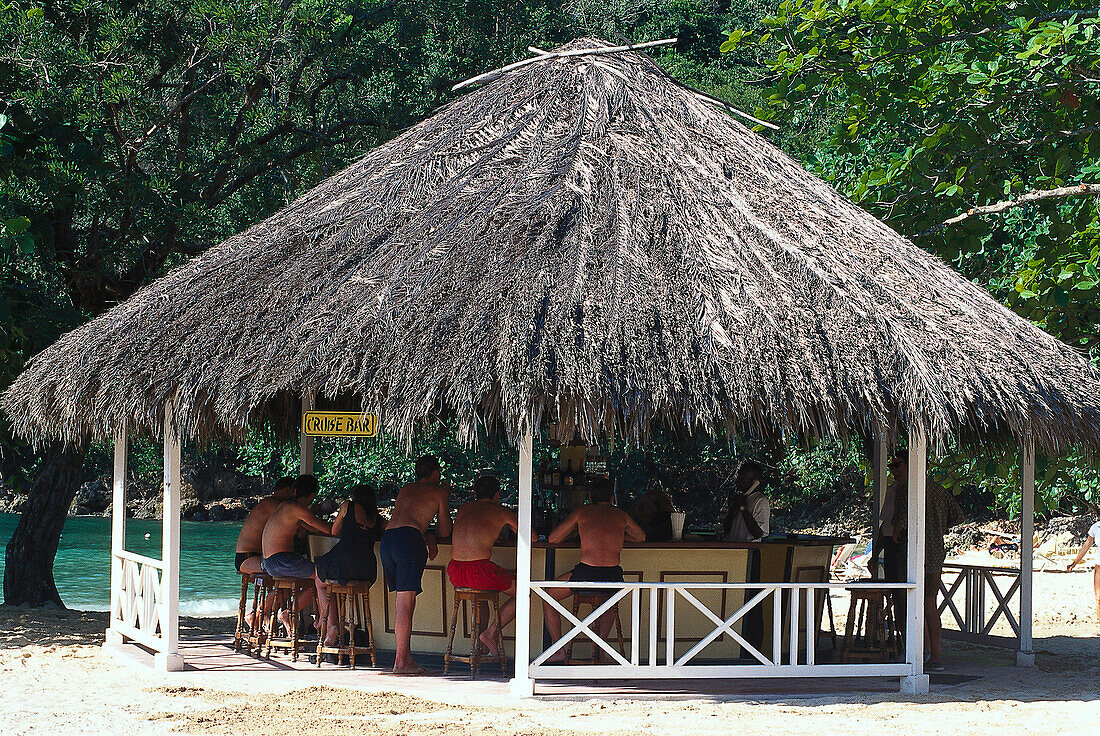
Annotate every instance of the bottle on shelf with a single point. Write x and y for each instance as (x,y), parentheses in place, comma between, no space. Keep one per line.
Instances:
(568,479)
(547,475)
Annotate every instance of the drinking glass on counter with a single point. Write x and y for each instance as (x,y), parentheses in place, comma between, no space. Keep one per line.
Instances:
(678,518)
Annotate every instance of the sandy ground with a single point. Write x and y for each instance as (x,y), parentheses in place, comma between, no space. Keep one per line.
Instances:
(55,679)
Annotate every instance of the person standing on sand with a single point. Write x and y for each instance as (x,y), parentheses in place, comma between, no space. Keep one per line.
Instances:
(406,547)
(1093,538)
(249,541)
(477,526)
(602,528)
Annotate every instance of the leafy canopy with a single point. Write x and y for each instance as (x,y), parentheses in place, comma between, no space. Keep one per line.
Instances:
(971,128)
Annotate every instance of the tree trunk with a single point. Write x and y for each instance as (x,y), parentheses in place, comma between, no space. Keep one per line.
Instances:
(28,567)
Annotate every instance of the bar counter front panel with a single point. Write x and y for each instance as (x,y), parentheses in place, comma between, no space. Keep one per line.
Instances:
(686,561)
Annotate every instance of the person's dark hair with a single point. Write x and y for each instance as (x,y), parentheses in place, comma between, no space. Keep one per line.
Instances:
(600,489)
(305,486)
(287,481)
(752,468)
(425,466)
(365,496)
(486,487)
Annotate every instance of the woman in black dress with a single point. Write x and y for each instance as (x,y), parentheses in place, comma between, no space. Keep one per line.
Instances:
(358,526)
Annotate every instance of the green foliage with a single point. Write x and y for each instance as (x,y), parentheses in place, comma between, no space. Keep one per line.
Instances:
(135,135)
(341,462)
(820,472)
(991,479)
(938,107)
(943,106)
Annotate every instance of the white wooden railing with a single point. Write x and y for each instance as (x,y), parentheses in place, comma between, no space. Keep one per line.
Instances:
(980,612)
(138,602)
(794,628)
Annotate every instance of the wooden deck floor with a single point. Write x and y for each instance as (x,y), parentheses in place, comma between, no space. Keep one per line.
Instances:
(211,662)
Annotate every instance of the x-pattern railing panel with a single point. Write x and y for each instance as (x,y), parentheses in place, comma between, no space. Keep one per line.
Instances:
(137,603)
(722,627)
(974,581)
(800,610)
(584,627)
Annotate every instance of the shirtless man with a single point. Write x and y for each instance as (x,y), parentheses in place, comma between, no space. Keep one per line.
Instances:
(602,528)
(280,559)
(477,526)
(406,548)
(249,552)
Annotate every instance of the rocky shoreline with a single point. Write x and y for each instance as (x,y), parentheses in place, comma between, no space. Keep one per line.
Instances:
(208,494)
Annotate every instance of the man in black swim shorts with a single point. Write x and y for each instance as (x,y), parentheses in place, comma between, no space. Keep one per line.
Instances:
(603,529)
(407,546)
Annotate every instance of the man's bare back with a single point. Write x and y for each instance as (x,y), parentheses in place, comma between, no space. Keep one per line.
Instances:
(282,527)
(602,529)
(418,503)
(252,531)
(477,527)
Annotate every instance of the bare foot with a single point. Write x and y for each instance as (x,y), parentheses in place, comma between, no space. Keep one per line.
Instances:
(489,639)
(407,667)
(284,619)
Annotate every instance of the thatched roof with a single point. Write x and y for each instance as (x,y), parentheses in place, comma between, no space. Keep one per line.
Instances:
(581,239)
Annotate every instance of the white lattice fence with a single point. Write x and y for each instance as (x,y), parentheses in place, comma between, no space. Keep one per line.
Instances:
(137,603)
(793,610)
(984,602)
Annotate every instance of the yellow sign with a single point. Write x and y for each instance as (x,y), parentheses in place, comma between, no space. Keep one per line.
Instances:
(339,424)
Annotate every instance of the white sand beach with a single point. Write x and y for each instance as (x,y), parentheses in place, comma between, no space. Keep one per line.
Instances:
(56,679)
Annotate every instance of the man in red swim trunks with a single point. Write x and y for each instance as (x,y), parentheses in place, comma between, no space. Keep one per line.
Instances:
(476,529)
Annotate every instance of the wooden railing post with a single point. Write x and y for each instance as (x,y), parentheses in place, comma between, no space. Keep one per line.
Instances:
(916,682)
(1026,656)
(521,684)
(169,659)
(118,532)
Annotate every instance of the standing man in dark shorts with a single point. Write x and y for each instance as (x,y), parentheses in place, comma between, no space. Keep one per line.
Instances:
(405,550)
(477,527)
(602,528)
(249,541)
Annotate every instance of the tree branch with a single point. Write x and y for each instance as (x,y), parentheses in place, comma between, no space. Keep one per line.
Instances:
(1038,195)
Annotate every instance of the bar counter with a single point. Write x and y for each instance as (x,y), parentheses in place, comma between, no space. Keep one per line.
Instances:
(799,558)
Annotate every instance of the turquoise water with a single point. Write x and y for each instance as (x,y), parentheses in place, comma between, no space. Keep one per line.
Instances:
(209,586)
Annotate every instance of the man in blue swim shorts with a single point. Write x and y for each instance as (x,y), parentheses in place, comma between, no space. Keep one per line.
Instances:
(406,547)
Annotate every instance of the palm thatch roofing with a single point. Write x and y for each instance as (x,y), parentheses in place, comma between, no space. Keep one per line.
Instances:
(582,240)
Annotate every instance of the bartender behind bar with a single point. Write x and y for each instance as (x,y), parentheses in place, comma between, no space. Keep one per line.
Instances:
(748,517)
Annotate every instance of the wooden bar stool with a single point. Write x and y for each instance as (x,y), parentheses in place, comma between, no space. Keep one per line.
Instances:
(253,641)
(352,603)
(471,600)
(870,633)
(288,590)
(594,600)
(242,607)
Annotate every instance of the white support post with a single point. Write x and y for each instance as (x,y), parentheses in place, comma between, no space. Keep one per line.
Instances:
(305,451)
(169,659)
(880,467)
(917,682)
(522,685)
(118,533)
(1026,656)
